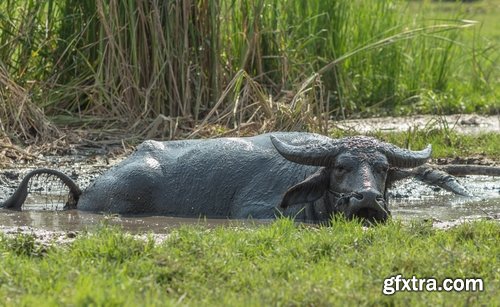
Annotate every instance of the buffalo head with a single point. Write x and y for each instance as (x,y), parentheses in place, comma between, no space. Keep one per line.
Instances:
(353,176)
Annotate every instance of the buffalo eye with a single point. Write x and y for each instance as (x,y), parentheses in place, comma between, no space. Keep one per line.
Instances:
(381,168)
(341,169)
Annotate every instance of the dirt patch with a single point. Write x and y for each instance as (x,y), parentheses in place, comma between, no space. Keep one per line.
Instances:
(42,236)
(47,238)
(474,160)
(460,123)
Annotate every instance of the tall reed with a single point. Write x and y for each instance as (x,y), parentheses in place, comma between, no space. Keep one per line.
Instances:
(284,64)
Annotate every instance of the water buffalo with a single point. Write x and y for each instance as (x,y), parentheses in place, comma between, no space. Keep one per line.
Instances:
(302,175)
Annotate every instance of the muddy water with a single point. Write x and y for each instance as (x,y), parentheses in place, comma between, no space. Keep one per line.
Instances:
(408,200)
(414,200)
(74,220)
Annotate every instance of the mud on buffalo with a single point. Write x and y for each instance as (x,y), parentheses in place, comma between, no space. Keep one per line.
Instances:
(306,176)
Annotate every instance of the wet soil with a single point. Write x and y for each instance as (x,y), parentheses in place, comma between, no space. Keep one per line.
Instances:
(43,216)
(460,123)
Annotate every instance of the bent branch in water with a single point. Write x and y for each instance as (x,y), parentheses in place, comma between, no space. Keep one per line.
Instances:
(467,169)
(443,175)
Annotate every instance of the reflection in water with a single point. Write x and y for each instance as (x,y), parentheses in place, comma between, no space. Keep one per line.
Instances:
(409,200)
(74,220)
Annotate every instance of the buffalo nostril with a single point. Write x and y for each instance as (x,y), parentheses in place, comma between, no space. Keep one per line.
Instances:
(368,196)
(358,196)
(372,196)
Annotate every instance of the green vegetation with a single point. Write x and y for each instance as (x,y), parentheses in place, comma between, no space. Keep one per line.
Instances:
(481,44)
(444,143)
(280,263)
(160,67)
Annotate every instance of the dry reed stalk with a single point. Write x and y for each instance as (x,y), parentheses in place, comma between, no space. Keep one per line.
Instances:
(20,119)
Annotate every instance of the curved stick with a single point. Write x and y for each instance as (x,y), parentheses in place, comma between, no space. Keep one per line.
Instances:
(429,175)
(441,179)
(468,169)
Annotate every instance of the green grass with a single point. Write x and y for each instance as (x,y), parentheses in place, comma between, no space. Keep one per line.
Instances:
(447,144)
(479,58)
(276,264)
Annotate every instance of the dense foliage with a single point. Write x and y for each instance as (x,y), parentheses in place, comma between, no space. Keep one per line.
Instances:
(290,63)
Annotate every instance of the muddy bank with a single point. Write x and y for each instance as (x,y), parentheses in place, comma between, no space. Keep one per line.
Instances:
(60,227)
(460,123)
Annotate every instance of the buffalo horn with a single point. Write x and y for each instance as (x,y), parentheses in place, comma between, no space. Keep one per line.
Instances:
(404,158)
(318,154)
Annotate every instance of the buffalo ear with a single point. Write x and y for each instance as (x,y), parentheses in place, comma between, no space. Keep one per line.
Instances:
(311,189)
